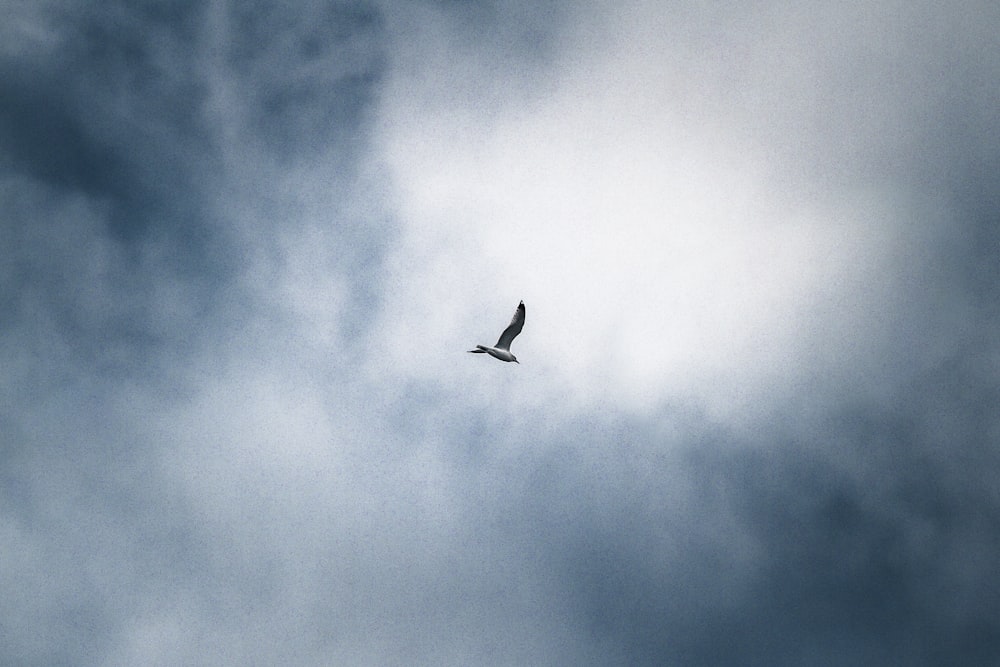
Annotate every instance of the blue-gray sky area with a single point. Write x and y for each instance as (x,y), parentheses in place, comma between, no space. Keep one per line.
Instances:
(246,245)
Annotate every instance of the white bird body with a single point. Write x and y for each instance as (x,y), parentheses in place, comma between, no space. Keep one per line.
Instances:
(501,350)
(502,355)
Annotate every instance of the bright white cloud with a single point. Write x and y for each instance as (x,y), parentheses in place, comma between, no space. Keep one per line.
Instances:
(661,255)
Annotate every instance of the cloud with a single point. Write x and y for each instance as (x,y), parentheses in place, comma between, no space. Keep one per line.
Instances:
(248,247)
(690,241)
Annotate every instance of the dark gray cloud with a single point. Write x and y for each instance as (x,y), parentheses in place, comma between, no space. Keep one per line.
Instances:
(206,460)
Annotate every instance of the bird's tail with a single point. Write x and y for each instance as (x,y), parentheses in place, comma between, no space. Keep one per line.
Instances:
(479,350)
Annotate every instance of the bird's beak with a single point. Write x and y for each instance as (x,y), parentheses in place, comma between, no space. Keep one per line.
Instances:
(517,362)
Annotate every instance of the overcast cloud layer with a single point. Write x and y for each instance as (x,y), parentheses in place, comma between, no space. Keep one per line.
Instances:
(246,245)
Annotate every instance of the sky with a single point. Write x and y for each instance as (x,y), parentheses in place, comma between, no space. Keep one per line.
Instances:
(246,246)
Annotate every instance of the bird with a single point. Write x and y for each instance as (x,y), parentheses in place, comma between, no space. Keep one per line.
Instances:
(501,350)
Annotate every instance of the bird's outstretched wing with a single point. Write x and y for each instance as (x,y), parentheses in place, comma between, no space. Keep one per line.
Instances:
(514,328)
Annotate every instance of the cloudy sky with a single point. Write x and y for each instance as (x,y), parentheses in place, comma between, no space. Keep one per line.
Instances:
(245,246)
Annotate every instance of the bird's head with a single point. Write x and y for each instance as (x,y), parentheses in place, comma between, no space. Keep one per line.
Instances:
(514,359)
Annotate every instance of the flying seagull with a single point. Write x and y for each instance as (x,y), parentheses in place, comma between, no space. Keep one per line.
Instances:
(502,349)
